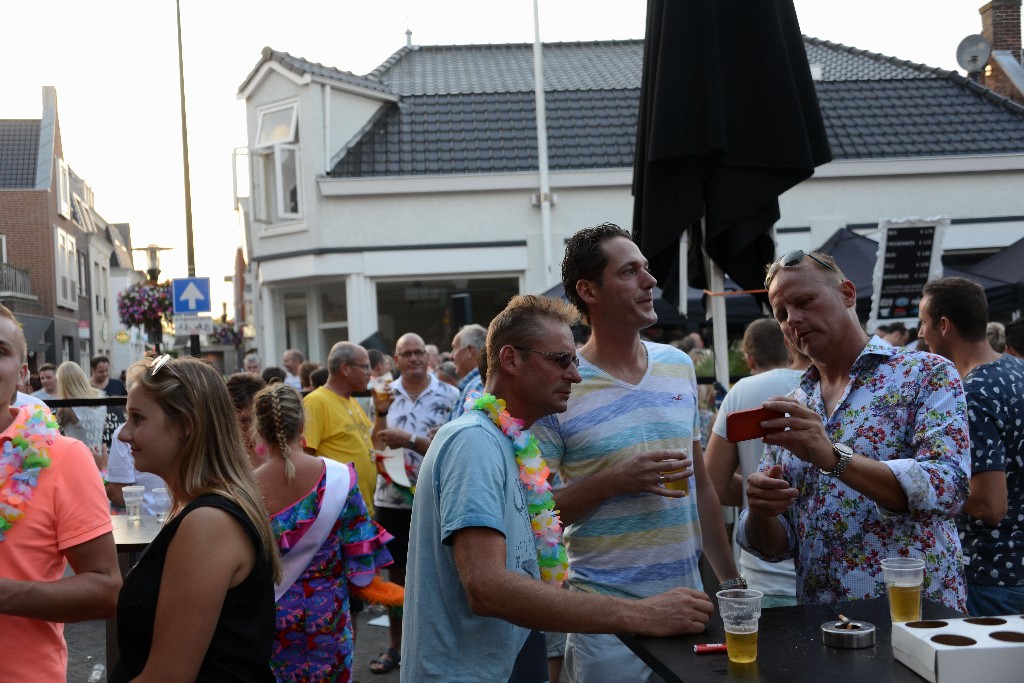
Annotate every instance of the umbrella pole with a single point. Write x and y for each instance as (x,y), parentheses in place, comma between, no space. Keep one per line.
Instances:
(684,285)
(716,283)
(719,321)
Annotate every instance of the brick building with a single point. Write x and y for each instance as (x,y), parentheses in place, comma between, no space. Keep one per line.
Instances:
(57,252)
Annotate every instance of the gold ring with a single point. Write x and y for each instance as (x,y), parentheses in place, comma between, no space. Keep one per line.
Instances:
(661,479)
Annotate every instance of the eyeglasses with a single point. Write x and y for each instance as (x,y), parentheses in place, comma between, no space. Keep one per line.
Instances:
(791,260)
(158,363)
(364,366)
(414,353)
(564,359)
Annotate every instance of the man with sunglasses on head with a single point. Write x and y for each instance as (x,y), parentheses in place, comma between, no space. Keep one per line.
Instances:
(629,437)
(418,402)
(874,459)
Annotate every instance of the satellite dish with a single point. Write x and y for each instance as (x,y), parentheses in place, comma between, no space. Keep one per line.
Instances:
(973,52)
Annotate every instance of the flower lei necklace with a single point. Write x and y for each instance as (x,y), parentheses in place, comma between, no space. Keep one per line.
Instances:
(533,473)
(22,458)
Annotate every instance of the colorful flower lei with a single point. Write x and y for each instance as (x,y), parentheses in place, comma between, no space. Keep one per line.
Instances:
(533,473)
(22,458)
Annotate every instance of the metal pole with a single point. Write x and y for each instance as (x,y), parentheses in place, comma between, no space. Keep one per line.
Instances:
(542,148)
(189,248)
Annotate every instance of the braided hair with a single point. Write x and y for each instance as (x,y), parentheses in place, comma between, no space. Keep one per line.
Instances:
(277,410)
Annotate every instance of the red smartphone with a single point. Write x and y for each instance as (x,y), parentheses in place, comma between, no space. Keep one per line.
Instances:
(743,425)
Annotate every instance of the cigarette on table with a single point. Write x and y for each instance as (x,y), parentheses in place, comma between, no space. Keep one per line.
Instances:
(704,648)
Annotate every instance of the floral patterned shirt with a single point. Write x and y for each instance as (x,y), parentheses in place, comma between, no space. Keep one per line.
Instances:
(906,409)
(430,409)
(994,555)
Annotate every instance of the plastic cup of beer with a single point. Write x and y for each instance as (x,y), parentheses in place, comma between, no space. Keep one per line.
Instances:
(682,484)
(904,579)
(161,504)
(740,609)
(133,502)
(381,385)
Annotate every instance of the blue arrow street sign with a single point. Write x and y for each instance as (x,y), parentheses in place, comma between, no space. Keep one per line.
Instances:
(191,295)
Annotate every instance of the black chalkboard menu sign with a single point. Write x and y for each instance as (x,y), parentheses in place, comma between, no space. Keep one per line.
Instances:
(909,254)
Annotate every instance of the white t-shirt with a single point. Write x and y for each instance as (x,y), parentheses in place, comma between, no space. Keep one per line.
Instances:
(771,578)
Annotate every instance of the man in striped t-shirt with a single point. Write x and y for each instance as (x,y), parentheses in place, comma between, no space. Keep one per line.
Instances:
(631,428)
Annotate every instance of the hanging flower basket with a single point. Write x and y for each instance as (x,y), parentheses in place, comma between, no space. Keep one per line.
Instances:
(144,304)
(225,334)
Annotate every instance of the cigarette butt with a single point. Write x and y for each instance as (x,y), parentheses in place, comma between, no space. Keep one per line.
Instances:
(704,648)
(846,622)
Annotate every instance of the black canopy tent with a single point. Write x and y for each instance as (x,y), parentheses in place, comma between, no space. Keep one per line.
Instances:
(856,256)
(1006,271)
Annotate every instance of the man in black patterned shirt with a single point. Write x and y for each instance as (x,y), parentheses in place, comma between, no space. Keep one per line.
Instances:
(954,315)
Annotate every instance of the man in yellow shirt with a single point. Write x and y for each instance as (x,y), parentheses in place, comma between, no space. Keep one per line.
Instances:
(336,425)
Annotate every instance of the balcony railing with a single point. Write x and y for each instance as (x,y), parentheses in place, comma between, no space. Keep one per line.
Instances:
(15,284)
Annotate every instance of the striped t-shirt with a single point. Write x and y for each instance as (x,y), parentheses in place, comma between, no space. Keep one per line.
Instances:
(633,545)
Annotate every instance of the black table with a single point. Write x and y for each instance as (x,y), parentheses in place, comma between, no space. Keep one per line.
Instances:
(129,537)
(789,648)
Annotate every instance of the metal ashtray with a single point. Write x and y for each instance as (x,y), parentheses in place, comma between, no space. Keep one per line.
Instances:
(848,634)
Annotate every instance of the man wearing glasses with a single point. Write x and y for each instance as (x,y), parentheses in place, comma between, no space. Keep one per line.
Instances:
(629,438)
(874,461)
(475,586)
(336,425)
(419,401)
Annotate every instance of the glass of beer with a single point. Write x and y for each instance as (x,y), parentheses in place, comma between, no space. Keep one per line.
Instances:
(382,386)
(682,484)
(740,609)
(904,579)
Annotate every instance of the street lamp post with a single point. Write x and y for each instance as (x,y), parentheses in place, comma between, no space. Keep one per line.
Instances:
(155,330)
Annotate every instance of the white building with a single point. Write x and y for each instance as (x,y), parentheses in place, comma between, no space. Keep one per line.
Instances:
(385,202)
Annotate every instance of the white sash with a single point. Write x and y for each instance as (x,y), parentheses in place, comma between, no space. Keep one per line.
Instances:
(299,557)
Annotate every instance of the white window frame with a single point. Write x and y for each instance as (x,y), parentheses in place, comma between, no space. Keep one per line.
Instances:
(269,203)
(279,182)
(263,112)
(3,248)
(66,261)
(64,191)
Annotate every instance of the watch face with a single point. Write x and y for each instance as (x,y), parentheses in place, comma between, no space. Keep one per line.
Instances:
(843,448)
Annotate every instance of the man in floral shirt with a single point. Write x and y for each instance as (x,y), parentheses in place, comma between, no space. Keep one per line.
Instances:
(875,459)
(954,313)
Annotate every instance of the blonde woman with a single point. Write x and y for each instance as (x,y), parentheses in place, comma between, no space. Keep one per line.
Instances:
(326,540)
(84,423)
(199,605)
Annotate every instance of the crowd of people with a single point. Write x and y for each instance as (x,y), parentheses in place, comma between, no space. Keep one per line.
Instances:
(535,493)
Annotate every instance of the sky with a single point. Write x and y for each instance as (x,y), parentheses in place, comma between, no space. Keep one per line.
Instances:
(114,64)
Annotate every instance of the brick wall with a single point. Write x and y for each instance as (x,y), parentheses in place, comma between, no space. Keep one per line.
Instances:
(1000,23)
(25,220)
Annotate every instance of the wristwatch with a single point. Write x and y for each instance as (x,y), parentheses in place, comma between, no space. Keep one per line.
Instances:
(411,443)
(735,582)
(845,455)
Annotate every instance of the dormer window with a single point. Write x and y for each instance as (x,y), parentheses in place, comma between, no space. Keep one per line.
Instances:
(276,161)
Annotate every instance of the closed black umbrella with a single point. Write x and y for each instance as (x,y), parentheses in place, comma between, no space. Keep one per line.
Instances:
(729,120)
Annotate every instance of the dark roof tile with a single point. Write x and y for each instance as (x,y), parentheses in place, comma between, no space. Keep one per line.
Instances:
(473,106)
(19,153)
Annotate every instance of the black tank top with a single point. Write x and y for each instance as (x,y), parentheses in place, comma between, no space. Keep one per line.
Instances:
(242,641)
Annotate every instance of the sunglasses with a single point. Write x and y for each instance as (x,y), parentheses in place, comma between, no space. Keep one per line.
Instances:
(564,359)
(793,259)
(158,363)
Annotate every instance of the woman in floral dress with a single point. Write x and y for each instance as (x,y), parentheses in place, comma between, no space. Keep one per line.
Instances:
(314,630)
